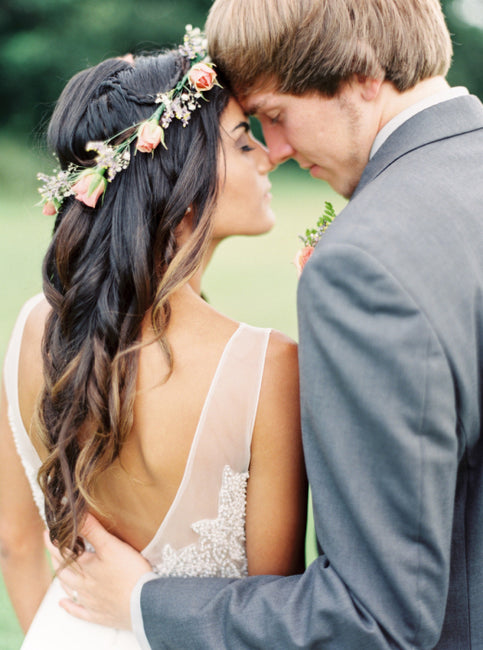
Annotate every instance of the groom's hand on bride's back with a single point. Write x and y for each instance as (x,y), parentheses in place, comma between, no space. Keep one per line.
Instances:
(99,584)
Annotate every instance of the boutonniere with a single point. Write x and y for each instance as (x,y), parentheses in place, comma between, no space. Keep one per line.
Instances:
(312,237)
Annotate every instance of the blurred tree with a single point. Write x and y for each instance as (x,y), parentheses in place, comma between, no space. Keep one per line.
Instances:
(467,37)
(44,42)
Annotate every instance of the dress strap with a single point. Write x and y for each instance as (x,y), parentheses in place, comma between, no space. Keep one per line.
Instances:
(222,439)
(233,398)
(27,452)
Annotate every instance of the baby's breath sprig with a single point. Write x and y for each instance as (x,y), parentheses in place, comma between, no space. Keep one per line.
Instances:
(56,188)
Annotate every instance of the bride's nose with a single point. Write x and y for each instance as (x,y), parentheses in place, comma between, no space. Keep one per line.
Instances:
(264,164)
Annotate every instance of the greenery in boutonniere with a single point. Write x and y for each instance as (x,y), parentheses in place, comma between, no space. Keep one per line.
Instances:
(312,237)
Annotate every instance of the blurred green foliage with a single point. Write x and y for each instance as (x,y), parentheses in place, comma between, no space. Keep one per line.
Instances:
(467,67)
(44,42)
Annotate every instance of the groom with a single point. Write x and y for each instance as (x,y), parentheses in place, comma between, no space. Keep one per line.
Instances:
(391,342)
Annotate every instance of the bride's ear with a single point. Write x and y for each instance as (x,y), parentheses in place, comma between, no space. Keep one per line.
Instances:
(185,227)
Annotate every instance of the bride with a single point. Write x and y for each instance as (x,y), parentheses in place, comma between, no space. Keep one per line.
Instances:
(125,394)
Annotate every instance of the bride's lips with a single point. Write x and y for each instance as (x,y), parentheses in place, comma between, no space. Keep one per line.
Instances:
(308,168)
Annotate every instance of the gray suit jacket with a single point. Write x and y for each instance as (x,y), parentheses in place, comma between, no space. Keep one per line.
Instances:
(391,355)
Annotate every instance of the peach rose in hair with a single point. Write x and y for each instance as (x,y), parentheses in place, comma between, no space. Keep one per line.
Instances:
(89,187)
(149,136)
(202,76)
(49,209)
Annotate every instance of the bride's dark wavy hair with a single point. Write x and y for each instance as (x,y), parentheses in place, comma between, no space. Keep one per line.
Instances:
(106,267)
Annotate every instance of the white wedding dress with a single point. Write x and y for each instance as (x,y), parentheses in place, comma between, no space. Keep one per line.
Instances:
(203,533)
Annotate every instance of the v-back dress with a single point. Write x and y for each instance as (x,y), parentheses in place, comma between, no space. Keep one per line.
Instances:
(203,533)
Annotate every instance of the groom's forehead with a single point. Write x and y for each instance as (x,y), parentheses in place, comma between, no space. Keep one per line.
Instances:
(259,97)
(260,101)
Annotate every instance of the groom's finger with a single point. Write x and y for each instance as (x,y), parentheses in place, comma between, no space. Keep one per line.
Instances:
(95,533)
(55,554)
(76,609)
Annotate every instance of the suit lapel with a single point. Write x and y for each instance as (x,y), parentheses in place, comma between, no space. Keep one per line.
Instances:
(448,119)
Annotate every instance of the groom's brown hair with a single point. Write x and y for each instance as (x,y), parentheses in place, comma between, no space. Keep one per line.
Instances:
(315,45)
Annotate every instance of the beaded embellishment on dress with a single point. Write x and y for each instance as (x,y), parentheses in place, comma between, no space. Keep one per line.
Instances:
(220,550)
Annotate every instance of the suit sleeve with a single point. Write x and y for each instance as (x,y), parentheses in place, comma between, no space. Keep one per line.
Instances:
(379,426)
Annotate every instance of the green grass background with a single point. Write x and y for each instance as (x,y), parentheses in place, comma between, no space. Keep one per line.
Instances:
(250,278)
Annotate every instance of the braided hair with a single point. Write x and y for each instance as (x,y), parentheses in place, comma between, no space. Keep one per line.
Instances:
(106,267)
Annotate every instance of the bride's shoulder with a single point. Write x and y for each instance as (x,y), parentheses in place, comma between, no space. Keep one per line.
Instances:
(29,326)
(23,361)
(282,353)
(280,382)
(36,311)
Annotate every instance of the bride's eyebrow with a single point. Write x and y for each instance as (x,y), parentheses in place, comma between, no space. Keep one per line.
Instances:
(242,125)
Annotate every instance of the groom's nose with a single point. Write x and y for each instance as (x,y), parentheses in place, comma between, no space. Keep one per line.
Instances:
(279,150)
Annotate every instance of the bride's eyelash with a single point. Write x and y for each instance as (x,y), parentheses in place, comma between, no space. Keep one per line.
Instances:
(246,147)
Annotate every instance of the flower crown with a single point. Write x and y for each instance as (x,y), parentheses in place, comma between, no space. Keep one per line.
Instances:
(88,184)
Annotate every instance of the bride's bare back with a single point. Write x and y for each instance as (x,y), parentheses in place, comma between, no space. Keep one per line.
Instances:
(137,491)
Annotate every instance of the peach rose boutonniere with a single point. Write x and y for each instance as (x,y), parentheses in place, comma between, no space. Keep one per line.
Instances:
(302,257)
(312,237)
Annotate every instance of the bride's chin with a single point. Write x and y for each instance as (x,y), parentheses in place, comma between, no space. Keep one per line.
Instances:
(271,220)
(265,224)
(256,224)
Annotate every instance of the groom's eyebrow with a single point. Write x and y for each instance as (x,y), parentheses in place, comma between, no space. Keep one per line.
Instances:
(250,106)
(253,110)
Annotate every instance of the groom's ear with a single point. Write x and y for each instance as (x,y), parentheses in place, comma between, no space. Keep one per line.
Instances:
(369,87)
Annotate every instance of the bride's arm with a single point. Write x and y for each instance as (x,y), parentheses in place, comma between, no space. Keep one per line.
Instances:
(23,560)
(277,488)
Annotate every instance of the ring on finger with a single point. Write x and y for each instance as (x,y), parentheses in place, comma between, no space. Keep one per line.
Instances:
(75,597)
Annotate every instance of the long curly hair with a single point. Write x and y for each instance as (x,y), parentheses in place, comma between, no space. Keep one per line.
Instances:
(106,267)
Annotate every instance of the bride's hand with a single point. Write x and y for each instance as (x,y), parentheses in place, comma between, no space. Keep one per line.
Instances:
(100,584)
